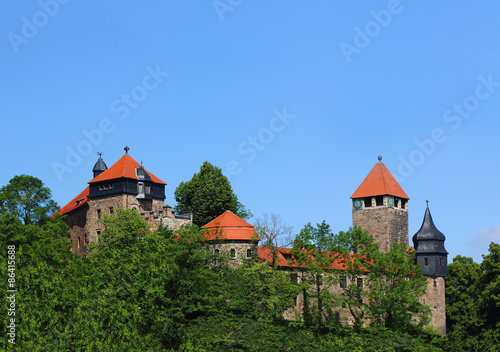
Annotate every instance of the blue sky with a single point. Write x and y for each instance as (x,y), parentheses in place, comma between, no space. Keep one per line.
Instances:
(294,100)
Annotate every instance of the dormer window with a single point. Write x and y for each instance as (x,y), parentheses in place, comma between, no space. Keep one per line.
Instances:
(148,189)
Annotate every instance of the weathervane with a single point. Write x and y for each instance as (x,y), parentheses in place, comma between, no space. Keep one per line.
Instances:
(126,149)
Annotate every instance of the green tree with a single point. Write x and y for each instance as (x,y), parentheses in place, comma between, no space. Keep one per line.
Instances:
(143,288)
(461,304)
(46,281)
(394,289)
(207,195)
(28,199)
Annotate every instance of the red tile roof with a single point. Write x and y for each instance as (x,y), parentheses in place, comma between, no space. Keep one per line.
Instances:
(124,168)
(76,202)
(379,182)
(229,226)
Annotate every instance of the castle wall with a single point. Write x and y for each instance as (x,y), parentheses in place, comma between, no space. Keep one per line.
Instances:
(78,236)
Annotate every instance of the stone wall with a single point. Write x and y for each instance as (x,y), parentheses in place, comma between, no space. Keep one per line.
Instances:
(387,225)
(78,236)
(435,299)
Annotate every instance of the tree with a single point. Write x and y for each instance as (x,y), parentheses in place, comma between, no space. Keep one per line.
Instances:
(274,233)
(207,195)
(394,289)
(28,199)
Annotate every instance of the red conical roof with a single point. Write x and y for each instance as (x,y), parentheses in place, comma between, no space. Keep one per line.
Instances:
(229,226)
(379,182)
(124,167)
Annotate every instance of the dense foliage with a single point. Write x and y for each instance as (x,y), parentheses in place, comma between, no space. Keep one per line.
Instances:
(473,302)
(207,195)
(144,290)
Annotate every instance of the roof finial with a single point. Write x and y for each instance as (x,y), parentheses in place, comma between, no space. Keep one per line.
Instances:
(427,203)
(126,149)
(380,158)
(99,154)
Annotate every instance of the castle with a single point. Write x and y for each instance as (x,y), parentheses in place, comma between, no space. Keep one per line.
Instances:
(379,205)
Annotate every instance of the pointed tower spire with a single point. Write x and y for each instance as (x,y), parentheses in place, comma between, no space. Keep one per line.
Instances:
(100,166)
(429,247)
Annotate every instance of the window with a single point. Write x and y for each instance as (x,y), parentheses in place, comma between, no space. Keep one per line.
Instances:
(396,202)
(86,239)
(441,261)
(426,261)
(403,203)
(233,253)
(111,210)
(319,280)
(148,189)
(249,253)
(359,282)
(98,213)
(379,200)
(140,188)
(216,251)
(368,202)
(98,233)
(78,242)
(343,282)
(294,278)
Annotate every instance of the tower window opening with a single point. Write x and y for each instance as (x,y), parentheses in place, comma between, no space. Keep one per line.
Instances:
(148,189)
(441,262)
(403,203)
(379,200)
(396,202)
(98,213)
(343,282)
(368,202)
(111,210)
(249,253)
(233,253)
(426,261)
(294,278)
(78,242)
(216,251)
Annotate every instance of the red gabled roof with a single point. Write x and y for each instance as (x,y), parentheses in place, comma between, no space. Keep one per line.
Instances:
(124,168)
(76,202)
(229,226)
(379,182)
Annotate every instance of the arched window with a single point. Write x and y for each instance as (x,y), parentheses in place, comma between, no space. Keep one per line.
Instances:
(249,253)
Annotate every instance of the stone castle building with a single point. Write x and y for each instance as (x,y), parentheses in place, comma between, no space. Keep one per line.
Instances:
(379,205)
(126,184)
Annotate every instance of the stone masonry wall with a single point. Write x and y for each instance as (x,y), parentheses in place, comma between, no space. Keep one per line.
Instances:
(435,299)
(387,225)
(76,222)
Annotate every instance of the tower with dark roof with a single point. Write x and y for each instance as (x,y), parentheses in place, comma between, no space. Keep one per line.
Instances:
(432,256)
(429,247)
(126,184)
(100,166)
(380,206)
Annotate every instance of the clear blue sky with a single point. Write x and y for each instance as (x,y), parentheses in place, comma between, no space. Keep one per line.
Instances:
(294,100)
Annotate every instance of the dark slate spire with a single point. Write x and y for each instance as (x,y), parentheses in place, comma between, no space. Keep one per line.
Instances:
(100,166)
(429,248)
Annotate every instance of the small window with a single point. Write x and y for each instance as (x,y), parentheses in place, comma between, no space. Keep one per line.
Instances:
(368,202)
(98,213)
(86,239)
(249,253)
(78,242)
(359,282)
(140,188)
(441,261)
(110,186)
(106,186)
(148,189)
(319,280)
(294,278)
(426,261)
(343,282)
(396,202)
(379,200)
(233,253)
(98,233)
(101,188)
(216,251)
(403,203)
(111,210)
